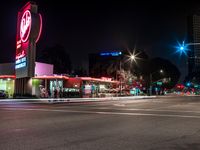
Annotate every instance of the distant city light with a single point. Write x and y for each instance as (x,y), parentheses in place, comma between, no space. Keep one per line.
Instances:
(188,84)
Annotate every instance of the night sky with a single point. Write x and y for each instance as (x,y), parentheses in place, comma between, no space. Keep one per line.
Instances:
(86,27)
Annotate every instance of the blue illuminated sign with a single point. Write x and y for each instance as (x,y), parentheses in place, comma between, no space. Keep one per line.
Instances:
(110,53)
(20,63)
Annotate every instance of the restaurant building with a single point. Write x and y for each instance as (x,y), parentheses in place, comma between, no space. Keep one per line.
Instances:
(26,77)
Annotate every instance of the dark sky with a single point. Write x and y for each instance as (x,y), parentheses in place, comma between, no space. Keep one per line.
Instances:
(85,27)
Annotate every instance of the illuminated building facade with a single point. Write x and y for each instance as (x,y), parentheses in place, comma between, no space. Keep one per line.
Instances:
(26,77)
(45,83)
(194,50)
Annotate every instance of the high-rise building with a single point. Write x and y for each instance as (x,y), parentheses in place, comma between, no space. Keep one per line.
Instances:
(105,64)
(194,48)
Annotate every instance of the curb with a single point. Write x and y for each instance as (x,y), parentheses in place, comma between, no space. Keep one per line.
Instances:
(51,100)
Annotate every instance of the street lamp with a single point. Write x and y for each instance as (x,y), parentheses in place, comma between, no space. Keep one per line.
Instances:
(131,57)
(192,56)
(183,48)
(120,79)
(160,71)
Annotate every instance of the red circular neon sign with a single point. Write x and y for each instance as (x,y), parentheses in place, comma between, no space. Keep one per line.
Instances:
(40,29)
(25,26)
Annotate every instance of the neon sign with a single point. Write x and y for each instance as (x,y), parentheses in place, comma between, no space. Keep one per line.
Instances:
(25,26)
(106,79)
(29,28)
(20,55)
(19,44)
(20,63)
(111,54)
(40,30)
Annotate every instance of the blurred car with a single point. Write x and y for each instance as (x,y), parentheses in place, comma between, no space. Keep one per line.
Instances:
(3,94)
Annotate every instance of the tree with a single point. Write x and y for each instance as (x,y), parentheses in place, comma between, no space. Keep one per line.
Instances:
(57,56)
(81,72)
(137,66)
(169,71)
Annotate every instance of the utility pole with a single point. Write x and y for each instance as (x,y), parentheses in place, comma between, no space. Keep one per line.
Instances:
(120,79)
(150,86)
(150,78)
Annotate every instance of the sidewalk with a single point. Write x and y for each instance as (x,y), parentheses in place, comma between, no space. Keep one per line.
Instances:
(71,100)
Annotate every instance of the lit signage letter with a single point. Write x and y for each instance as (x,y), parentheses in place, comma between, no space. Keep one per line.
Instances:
(111,54)
(20,63)
(20,55)
(25,26)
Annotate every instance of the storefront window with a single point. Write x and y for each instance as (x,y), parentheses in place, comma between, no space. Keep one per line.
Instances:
(56,88)
(8,86)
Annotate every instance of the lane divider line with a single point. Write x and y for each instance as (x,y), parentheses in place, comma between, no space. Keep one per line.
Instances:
(105,113)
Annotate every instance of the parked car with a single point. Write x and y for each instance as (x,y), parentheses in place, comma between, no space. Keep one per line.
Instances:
(3,94)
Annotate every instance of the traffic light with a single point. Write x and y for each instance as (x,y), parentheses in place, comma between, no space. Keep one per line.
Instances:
(188,84)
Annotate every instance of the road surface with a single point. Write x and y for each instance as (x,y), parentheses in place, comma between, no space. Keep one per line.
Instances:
(168,123)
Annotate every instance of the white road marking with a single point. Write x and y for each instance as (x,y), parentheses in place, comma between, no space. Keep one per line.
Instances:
(156,110)
(121,105)
(106,113)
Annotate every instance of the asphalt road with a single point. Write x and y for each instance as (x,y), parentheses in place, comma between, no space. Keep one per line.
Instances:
(169,123)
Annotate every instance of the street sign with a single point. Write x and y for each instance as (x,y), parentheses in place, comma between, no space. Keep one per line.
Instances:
(159,83)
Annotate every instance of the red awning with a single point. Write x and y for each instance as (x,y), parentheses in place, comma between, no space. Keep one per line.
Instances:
(97,79)
(7,76)
(51,77)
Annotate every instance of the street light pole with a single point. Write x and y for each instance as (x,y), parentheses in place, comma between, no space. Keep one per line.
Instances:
(183,47)
(150,78)
(120,79)
(132,57)
(193,44)
(150,87)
